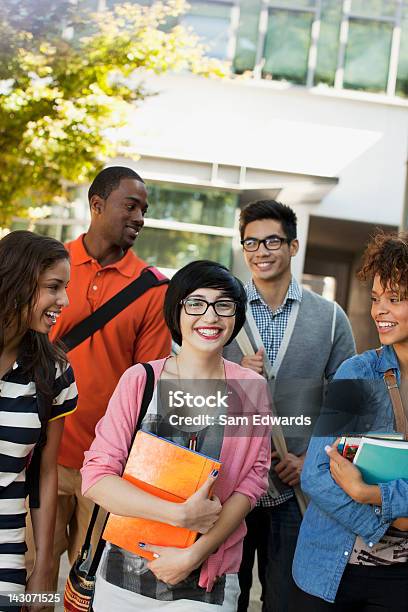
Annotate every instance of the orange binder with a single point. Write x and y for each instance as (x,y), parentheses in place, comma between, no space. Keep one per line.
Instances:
(168,471)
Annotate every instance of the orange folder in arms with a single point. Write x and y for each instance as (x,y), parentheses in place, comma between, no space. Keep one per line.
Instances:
(168,471)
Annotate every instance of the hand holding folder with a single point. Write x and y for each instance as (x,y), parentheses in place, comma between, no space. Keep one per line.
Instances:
(167,471)
(194,505)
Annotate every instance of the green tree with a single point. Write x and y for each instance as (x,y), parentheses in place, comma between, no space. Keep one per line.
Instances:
(67,76)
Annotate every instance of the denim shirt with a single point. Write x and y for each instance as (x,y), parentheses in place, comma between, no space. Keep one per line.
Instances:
(333,520)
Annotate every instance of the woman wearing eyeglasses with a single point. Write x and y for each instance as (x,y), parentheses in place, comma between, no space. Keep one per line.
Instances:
(204,309)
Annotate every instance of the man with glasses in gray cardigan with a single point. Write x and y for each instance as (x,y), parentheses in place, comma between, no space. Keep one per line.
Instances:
(297,340)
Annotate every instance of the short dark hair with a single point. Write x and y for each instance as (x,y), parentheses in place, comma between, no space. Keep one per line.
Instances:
(202,274)
(109,179)
(269,209)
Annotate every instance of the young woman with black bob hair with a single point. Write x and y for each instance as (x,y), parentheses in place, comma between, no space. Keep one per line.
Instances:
(37,389)
(204,309)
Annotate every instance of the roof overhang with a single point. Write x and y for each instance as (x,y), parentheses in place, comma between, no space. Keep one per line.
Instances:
(251,183)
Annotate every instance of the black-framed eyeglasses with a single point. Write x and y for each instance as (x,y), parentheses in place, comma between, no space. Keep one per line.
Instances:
(272,243)
(197,307)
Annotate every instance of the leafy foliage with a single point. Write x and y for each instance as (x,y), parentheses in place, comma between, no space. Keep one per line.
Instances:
(67,76)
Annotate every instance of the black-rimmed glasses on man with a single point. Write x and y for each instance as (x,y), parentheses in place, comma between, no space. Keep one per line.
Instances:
(198,307)
(272,243)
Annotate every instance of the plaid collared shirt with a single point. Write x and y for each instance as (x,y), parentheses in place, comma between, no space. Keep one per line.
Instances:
(272,325)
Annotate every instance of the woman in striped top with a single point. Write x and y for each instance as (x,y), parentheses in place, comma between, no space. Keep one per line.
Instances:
(37,388)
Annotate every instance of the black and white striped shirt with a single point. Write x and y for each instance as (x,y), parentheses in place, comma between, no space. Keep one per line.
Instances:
(19,431)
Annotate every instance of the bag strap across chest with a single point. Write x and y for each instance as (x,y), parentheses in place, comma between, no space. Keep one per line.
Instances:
(105,313)
(401,422)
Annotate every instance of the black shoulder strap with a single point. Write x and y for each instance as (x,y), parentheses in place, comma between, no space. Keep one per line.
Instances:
(111,308)
(147,397)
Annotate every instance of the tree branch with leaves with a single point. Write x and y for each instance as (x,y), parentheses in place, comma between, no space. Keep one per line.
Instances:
(67,76)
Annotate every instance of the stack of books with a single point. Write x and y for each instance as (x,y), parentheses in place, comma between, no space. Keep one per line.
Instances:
(379,457)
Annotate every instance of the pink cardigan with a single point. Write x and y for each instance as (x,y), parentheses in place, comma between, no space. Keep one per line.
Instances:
(245,458)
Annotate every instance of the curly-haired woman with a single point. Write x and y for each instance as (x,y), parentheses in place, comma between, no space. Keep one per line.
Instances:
(352,551)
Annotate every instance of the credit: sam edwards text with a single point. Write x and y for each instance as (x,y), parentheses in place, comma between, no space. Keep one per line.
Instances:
(205,420)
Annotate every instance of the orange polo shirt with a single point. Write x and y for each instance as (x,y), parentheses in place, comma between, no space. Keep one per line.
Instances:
(136,334)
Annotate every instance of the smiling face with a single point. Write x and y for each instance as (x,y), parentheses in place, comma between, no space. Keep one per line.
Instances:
(268,265)
(390,313)
(51,297)
(120,216)
(208,332)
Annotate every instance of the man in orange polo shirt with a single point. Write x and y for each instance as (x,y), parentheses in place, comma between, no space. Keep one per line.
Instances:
(102,263)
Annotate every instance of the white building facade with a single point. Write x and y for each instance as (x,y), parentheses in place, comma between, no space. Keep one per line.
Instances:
(316,117)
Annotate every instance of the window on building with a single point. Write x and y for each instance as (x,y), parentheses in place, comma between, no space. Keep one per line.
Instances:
(53,227)
(367,55)
(182,224)
(287,44)
(109,4)
(360,44)
(211,21)
(247,36)
(90,5)
(374,8)
(328,42)
(174,235)
(402,75)
(174,249)
(192,206)
(294,4)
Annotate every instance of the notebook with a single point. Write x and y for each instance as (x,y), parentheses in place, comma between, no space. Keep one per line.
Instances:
(348,445)
(382,460)
(168,471)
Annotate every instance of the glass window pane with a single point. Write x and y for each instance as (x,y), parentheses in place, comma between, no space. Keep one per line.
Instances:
(247,37)
(48,230)
(64,233)
(90,5)
(374,8)
(20,224)
(294,3)
(287,45)
(68,232)
(192,206)
(402,76)
(112,3)
(174,249)
(211,21)
(328,43)
(367,55)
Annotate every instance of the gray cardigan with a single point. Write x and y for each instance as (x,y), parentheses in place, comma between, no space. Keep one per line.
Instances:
(321,340)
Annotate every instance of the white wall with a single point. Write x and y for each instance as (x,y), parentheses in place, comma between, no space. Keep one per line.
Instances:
(283,128)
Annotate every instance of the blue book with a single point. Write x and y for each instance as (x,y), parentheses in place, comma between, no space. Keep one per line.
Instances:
(382,460)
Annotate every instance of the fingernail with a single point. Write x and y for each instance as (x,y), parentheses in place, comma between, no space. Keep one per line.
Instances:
(156,556)
(327,448)
(141,544)
(214,473)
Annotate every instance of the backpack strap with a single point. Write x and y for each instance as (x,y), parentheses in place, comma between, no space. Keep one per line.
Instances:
(149,277)
(147,397)
(401,423)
